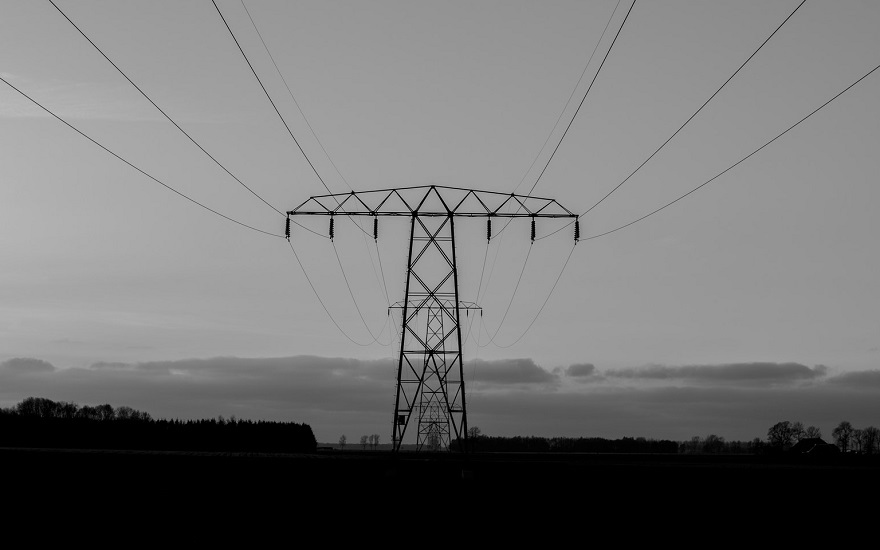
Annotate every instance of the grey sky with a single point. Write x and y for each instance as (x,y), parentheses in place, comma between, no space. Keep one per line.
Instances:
(774,263)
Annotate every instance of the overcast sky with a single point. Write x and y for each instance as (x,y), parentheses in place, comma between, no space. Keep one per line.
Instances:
(754,300)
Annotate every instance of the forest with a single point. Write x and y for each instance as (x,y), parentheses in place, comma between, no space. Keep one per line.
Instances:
(37,422)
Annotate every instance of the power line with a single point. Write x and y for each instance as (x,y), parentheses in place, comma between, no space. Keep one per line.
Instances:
(590,87)
(479,288)
(697,111)
(350,293)
(731,167)
(265,91)
(512,296)
(384,285)
(321,144)
(163,184)
(547,299)
(290,92)
(283,121)
(176,125)
(350,339)
(581,104)
(567,102)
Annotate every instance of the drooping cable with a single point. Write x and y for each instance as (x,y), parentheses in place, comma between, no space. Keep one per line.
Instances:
(662,145)
(731,167)
(509,220)
(479,288)
(155,179)
(290,93)
(568,101)
(283,120)
(382,272)
(547,299)
(581,104)
(148,98)
(350,293)
(512,296)
(265,91)
(318,296)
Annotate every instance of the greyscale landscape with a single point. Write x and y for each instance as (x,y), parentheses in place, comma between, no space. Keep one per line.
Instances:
(256,248)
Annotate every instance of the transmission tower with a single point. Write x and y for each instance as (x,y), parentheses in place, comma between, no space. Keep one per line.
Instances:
(430,367)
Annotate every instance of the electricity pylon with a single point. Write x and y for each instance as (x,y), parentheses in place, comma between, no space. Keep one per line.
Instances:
(430,368)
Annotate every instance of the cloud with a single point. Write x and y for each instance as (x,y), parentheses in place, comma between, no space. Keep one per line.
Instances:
(772,373)
(581,370)
(333,391)
(72,100)
(858,380)
(514,397)
(509,371)
(26,365)
(105,365)
(670,412)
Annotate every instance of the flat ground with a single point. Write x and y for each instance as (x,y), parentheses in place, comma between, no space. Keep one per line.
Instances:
(603,474)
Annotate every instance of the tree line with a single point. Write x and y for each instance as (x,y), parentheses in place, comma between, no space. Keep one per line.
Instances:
(43,423)
(785,434)
(532,444)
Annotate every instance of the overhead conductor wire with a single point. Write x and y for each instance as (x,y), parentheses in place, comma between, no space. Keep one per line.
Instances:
(555,149)
(570,96)
(510,302)
(680,128)
(290,132)
(155,179)
(327,311)
(350,293)
(581,104)
(565,107)
(168,117)
(176,125)
(639,167)
(734,165)
(265,91)
(731,167)
(318,140)
(295,102)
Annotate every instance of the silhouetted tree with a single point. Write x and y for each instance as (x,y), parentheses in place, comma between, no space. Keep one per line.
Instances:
(105,412)
(797,429)
(813,432)
(342,440)
(858,440)
(872,439)
(713,444)
(364,440)
(40,422)
(474,434)
(757,445)
(781,435)
(842,435)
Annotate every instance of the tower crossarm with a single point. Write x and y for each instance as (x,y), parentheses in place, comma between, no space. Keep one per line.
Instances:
(432,200)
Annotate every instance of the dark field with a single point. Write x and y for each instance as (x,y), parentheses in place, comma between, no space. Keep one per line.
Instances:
(668,478)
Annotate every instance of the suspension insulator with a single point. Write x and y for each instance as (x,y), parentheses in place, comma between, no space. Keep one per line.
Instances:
(488,229)
(287,228)
(331,228)
(577,230)
(376,228)
(533,229)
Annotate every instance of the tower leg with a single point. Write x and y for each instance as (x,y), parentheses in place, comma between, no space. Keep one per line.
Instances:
(430,372)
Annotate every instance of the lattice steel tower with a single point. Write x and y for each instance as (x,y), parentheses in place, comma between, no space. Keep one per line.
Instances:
(430,369)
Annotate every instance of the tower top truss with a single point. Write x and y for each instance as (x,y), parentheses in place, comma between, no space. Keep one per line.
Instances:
(432,200)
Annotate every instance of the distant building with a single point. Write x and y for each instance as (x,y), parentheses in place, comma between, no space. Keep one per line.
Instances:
(814,446)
